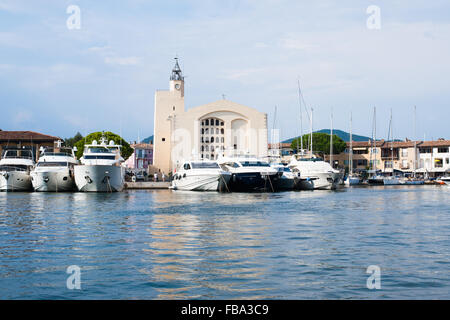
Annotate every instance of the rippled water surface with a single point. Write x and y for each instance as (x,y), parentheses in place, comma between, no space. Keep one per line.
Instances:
(180,245)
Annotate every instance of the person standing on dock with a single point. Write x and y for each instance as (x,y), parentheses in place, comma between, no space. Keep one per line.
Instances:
(156,177)
(163,177)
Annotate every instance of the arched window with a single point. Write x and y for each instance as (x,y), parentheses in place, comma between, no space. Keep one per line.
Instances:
(210,133)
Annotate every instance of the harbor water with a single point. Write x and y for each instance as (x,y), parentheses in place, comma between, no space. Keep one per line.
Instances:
(162,244)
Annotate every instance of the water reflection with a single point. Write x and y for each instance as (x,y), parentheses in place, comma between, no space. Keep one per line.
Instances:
(178,245)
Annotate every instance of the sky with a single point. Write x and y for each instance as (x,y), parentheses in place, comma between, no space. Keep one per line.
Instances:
(103,76)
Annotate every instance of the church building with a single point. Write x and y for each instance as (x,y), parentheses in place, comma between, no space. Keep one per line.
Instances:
(217,129)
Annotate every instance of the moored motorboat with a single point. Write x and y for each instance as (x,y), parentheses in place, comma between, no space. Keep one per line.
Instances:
(286,178)
(15,167)
(317,174)
(201,175)
(249,173)
(100,169)
(54,172)
(352,180)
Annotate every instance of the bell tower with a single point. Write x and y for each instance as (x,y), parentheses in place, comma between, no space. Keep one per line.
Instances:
(177,79)
(168,104)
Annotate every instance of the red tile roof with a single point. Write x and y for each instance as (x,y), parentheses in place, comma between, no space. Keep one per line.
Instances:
(25,136)
(436,143)
(142,146)
(362,144)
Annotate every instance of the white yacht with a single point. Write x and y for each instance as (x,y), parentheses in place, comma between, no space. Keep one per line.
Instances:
(286,178)
(391,181)
(201,175)
(249,173)
(446,180)
(352,180)
(315,173)
(54,171)
(15,167)
(100,169)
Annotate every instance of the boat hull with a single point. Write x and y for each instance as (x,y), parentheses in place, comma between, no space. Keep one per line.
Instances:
(15,181)
(251,181)
(283,183)
(53,181)
(352,181)
(319,181)
(376,181)
(202,182)
(99,178)
(391,182)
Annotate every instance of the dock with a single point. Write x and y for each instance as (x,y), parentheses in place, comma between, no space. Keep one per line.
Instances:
(146,185)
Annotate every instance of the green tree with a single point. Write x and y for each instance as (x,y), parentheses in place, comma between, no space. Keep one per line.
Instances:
(126,150)
(321,143)
(70,142)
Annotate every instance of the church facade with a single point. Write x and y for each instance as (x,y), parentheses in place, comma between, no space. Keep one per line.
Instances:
(210,131)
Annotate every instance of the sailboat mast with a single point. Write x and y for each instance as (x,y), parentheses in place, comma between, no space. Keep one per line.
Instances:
(351,146)
(301,117)
(415,143)
(392,144)
(311,141)
(375,136)
(331,139)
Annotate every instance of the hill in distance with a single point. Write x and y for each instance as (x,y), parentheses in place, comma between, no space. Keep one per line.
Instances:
(148,140)
(341,134)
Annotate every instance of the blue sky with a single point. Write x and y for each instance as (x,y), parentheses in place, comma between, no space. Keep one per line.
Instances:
(104,75)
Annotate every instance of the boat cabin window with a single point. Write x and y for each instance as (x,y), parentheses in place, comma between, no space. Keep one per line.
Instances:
(52,164)
(99,157)
(255,164)
(205,165)
(233,164)
(187,166)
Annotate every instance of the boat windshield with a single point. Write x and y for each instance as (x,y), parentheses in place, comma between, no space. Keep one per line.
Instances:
(99,150)
(52,164)
(112,157)
(7,168)
(255,164)
(205,165)
(22,154)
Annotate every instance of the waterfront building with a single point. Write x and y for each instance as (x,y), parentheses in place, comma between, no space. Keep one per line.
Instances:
(434,157)
(142,156)
(365,155)
(27,139)
(208,131)
(424,157)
